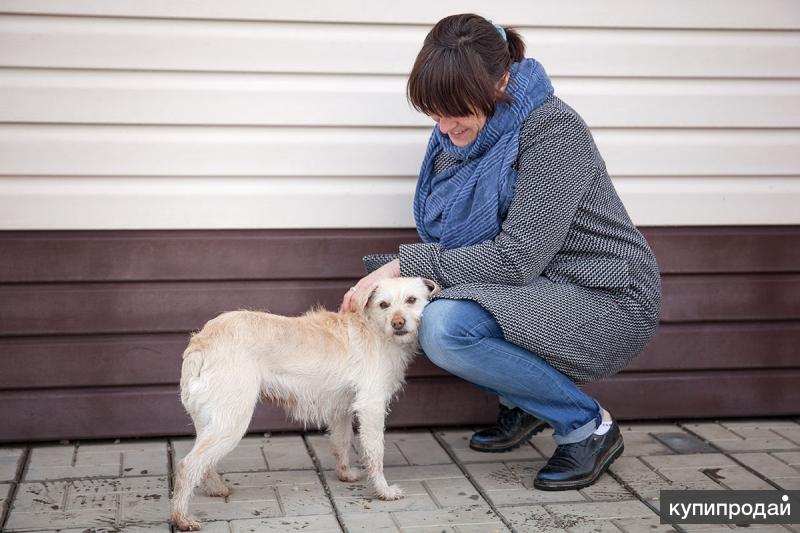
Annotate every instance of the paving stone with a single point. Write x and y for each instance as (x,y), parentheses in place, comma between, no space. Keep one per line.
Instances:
(57,462)
(149,528)
(257,497)
(458,441)
(425,489)
(306,524)
(767,465)
(736,437)
(641,438)
(134,457)
(647,483)
(605,517)
(465,520)
(736,424)
(90,503)
(296,493)
(511,483)
(672,462)
(257,454)
(642,443)
(97,460)
(792,433)
(651,524)
(532,518)
(10,459)
(588,516)
(416,448)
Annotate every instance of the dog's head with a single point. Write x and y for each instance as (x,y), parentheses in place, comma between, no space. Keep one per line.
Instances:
(394,305)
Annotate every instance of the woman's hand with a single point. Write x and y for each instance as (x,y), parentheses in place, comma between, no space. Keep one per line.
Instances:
(389,270)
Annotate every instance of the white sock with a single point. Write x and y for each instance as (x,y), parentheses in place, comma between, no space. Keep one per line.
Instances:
(603,428)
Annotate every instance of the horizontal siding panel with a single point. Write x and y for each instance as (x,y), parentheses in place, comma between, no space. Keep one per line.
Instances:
(226,202)
(104,97)
(765,14)
(155,359)
(104,256)
(707,394)
(710,297)
(306,151)
(53,309)
(725,249)
(155,44)
(148,307)
(192,255)
(153,411)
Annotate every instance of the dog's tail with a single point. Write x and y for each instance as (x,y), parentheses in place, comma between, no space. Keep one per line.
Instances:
(193,357)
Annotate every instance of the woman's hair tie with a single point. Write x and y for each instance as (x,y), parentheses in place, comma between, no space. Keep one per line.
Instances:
(501,31)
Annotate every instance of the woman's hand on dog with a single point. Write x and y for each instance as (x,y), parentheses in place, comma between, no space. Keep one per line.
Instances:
(389,270)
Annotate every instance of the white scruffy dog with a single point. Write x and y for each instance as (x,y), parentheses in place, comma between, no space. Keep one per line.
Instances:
(323,367)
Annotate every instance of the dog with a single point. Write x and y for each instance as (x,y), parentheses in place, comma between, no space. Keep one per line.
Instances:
(323,367)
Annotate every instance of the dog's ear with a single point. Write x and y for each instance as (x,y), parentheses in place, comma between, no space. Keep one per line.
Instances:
(364,299)
(433,287)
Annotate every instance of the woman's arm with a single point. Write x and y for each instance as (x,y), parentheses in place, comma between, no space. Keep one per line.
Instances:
(553,173)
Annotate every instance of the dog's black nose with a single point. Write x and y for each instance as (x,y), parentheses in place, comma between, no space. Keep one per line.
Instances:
(398,322)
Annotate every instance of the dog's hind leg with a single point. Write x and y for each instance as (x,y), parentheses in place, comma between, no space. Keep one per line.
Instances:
(221,411)
(341,430)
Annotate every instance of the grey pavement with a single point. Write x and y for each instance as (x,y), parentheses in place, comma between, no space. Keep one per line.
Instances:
(285,482)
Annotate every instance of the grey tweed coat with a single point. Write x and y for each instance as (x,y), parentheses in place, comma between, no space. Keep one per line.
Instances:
(569,277)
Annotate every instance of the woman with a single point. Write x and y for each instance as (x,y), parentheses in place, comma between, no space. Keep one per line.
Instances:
(547,283)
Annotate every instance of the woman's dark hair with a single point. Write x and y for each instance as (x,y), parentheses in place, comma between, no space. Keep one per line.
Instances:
(462,61)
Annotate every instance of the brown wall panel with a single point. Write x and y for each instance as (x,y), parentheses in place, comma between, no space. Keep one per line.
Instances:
(730,297)
(93,323)
(27,256)
(151,411)
(191,254)
(155,359)
(50,309)
(696,250)
(700,394)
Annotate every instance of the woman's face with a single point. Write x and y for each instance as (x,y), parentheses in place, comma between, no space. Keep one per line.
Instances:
(464,130)
(461,130)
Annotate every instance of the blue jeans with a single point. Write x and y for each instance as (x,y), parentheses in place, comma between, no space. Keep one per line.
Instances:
(463,338)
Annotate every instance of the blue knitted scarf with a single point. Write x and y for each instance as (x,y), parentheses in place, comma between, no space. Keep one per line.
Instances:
(466,203)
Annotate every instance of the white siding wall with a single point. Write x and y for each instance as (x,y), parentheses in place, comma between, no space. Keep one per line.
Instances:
(254,114)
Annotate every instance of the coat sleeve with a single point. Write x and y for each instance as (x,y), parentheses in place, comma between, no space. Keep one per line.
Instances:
(554,169)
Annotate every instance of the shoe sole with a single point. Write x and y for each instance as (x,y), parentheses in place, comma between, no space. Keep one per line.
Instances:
(576,484)
(507,448)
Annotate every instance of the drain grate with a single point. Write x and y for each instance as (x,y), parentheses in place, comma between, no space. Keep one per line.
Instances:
(683,443)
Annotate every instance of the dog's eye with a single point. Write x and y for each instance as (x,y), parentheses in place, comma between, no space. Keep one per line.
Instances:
(384,305)
(411,299)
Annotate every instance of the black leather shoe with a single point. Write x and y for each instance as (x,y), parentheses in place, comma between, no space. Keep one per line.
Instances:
(577,465)
(513,427)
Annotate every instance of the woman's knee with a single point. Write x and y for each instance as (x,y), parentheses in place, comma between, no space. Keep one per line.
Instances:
(450,329)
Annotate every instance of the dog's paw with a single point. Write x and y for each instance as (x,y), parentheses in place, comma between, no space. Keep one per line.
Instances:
(392,492)
(185,523)
(349,476)
(219,491)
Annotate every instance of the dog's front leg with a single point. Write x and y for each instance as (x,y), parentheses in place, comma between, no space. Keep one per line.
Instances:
(371,415)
